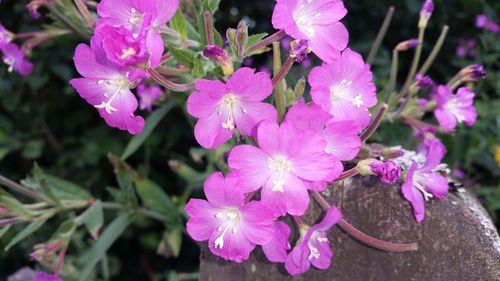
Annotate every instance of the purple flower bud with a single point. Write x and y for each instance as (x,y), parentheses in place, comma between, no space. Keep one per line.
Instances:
(219,55)
(473,73)
(424,81)
(299,50)
(425,13)
(407,45)
(389,172)
(392,152)
(428,7)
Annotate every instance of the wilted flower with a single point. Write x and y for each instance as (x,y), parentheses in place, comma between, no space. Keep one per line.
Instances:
(299,49)
(148,95)
(472,73)
(222,108)
(106,87)
(453,109)
(313,247)
(344,88)
(276,250)
(423,183)
(14,57)
(231,226)
(314,21)
(389,171)
(283,164)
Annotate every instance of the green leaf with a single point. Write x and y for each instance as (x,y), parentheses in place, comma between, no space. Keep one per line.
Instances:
(211,5)
(30,229)
(4,230)
(124,177)
(154,198)
(152,121)
(44,185)
(171,244)
(198,69)
(92,218)
(179,24)
(65,230)
(15,206)
(183,56)
(102,245)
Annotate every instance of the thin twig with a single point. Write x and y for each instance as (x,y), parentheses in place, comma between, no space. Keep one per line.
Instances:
(169,84)
(435,51)
(380,36)
(266,41)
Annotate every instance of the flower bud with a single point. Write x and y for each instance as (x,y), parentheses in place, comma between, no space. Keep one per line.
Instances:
(364,167)
(426,13)
(424,81)
(472,73)
(242,34)
(299,88)
(389,172)
(392,152)
(407,45)
(299,49)
(220,56)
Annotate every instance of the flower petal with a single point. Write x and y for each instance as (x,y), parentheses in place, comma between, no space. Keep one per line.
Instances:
(251,165)
(209,132)
(202,221)
(275,251)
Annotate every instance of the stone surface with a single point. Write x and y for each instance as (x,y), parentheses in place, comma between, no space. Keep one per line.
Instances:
(457,241)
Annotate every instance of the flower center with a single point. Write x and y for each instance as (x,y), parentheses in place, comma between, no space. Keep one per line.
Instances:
(127,53)
(341,92)
(314,252)
(453,106)
(228,106)
(281,166)
(10,61)
(419,186)
(118,85)
(230,217)
(305,20)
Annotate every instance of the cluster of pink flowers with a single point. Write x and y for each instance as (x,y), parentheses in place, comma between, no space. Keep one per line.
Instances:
(125,44)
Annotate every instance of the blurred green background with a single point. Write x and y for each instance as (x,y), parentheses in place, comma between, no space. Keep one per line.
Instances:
(43,120)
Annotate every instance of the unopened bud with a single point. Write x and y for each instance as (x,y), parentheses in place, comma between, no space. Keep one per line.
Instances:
(424,81)
(220,56)
(407,45)
(472,73)
(364,166)
(426,13)
(242,34)
(299,88)
(392,152)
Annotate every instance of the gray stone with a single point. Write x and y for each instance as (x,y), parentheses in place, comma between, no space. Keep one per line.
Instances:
(457,241)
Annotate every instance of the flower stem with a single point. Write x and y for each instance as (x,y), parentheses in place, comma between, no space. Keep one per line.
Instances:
(347,174)
(375,123)
(209,33)
(82,7)
(380,36)
(363,237)
(297,220)
(169,84)
(172,71)
(166,58)
(65,20)
(60,261)
(393,77)
(435,51)
(280,71)
(266,41)
(27,34)
(23,190)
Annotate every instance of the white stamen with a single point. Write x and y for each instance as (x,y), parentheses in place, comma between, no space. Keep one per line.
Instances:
(282,166)
(231,217)
(228,105)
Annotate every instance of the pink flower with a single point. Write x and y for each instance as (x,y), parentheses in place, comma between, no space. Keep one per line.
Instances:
(221,108)
(316,21)
(143,18)
(481,21)
(342,137)
(453,109)
(276,250)
(121,46)
(148,96)
(42,276)
(389,171)
(231,226)
(5,36)
(14,58)
(313,247)
(344,88)
(423,183)
(106,87)
(285,161)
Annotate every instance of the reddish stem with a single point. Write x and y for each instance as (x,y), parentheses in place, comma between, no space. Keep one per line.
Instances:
(297,220)
(60,262)
(266,41)
(166,57)
(82,7)
(347,174)
(375,123)
(27,34)
(169,84)
(363,237)
(209,33)
(283,71)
